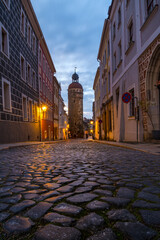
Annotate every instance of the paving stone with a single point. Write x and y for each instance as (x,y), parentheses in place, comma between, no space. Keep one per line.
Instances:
(90,222)
(38,211)
(51,232)
(17,225)
(5,194)
(135,185)
(3,206)
(18,189)
(21,206)
(13,199)
(152,189)
(31,196)
(144,204)
(109,187)
(103,181)
(151,217)
(51,185)
(124,192)
(5,189)
(106,234)
(58,198)
(65,189)
(33,186)
(103,192)
(148,196)
(83,189)
(115,201)
(68,208)
(3,216)
(121,215)
(76,183)
(57,218)
(135,231)
(97,205)
(22,184)
(80,198)
(89,183)
(47,195)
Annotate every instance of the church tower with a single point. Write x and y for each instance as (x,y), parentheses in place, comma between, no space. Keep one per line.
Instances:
(75,107)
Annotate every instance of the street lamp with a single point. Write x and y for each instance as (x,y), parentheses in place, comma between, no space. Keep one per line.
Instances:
(43,109)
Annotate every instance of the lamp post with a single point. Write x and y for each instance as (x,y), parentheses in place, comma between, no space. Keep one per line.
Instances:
(43,109)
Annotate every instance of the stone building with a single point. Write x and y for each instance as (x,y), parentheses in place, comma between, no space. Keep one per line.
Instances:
(75,107)
(134,34)
(19,88)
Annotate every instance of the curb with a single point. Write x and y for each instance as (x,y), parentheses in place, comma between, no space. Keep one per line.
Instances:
(124,146)
(14,145)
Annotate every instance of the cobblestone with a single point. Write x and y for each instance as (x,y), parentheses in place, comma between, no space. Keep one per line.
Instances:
(87,191)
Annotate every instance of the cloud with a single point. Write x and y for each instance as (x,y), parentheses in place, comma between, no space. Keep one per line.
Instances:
(72,30)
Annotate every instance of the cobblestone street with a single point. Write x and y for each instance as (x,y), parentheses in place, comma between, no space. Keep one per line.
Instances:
(79,190)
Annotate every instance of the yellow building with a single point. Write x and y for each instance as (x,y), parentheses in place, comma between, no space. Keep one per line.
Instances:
(96,88)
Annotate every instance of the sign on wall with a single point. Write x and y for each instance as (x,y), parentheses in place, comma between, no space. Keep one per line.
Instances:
(126,97)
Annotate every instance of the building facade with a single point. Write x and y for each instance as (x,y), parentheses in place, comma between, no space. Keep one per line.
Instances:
(57,89)
(134,68)
(75,107)
(19,88)
(28,88)
(46,91)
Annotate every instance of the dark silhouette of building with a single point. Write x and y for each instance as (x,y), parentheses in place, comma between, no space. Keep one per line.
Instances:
(75,107)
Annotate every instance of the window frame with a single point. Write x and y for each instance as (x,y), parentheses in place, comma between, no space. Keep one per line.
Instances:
(9,109)
(25,111)
(130,33)
(34,43)
(23,32)
(23,78)
(6,53)
(29,80)
(132,103)
(30,111)
(34,79)
(29,41)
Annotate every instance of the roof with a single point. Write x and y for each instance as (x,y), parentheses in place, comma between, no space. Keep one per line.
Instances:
(75,85)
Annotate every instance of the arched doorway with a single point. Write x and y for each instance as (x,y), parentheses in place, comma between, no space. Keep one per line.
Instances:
(153,94)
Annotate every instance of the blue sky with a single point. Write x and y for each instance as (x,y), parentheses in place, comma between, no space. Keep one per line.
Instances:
(72,30)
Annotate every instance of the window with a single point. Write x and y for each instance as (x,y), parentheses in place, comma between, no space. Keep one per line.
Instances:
(43,64)
(114,31)
(150,6)
(34,79)
(109,82)
(22,65)
(29,74)
(34,44)
(40,83)
(130,32)
(7,3)
(108,49)
(35,112)
(24,108)
(117,99)
(6,93)
(40,55)
(22,22)
(131,104)
(29,34)
(119,17)
(114,61)
(120,52)
(109,120)
(30,111)
(4,40)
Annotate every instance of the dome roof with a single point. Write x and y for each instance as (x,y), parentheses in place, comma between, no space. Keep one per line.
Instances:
(75,85)
(75,76)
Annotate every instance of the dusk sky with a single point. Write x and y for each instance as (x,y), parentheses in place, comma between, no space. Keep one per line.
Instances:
(72,30)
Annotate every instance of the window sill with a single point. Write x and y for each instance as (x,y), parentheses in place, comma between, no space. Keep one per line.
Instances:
(119,63)
(155,9)
(7,5)
(7,110)
(131,118)
(129,47)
